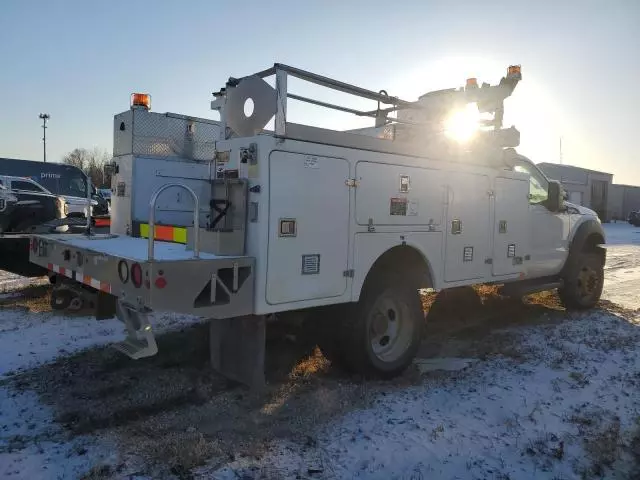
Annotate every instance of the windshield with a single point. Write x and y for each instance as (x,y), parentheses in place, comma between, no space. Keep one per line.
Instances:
(72,185)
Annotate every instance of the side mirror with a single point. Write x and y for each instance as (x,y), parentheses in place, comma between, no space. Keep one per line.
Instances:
(556,196)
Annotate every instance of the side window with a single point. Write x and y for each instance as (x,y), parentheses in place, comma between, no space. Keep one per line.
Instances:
(538,185)
(25,186)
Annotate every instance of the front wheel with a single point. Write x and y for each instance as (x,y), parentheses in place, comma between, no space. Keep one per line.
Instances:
(384,329)
(583,282)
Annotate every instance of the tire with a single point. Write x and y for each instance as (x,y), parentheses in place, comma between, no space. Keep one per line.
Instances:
(583,282)
(61,299)
(383,331)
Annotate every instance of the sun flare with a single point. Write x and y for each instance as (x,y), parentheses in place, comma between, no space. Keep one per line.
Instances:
(462,125)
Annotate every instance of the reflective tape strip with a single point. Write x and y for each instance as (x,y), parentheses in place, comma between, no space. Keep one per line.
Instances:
(78,276)
(165,233)
(103,222)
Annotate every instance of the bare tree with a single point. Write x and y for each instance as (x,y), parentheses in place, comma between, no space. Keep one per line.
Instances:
(90,162)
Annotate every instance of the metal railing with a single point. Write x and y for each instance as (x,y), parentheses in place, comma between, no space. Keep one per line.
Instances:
(152,218)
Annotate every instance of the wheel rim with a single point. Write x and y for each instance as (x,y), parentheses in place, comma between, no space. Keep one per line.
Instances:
(390,329)
(75,304)
(588,280)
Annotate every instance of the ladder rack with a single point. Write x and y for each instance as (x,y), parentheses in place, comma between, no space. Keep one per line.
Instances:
(427,111)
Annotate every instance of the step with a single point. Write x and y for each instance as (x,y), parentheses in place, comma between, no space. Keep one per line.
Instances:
(137,348)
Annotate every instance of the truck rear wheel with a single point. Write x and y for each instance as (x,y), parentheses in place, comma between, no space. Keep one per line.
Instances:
(383,331)
(583,282)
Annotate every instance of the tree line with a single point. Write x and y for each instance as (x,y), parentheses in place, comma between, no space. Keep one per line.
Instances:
(92,163)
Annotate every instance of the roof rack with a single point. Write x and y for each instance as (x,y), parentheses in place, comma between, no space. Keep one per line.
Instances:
(428,111)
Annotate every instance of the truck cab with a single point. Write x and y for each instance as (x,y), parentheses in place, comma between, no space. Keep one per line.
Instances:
(551,221)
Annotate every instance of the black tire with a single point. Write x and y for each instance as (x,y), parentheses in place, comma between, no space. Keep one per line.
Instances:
(61,299)
(392,301)
(583,282)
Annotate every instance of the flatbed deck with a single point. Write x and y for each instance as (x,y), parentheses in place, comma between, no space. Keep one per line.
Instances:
(135,249)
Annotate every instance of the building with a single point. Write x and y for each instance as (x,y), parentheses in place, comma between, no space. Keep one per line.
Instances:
(589,188)
(622,200)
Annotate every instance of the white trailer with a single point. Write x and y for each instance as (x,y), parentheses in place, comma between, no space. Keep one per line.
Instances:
(344,225)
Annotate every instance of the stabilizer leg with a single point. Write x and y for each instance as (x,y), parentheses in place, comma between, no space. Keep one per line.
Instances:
(238,348)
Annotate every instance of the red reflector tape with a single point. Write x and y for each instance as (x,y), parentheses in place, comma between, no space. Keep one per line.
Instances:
(78,276)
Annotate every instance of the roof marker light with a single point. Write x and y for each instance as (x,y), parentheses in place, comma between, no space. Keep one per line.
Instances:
(141,100)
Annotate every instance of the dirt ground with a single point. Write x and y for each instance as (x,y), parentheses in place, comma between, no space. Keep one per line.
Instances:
(173,412)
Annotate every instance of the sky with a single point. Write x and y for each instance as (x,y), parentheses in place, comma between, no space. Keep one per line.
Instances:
(80,61)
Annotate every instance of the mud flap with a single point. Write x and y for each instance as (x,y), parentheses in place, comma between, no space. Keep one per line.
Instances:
(105,306)
(238,348)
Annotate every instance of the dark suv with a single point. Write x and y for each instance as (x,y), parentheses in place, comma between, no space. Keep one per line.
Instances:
(634,219)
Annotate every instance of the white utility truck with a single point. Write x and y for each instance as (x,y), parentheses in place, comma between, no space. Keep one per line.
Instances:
(252,218)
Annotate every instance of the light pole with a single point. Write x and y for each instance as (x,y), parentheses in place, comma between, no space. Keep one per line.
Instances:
(44,117)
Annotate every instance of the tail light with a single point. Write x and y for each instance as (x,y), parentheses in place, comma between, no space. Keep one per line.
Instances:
(136,275)
(160,282)
(123,271)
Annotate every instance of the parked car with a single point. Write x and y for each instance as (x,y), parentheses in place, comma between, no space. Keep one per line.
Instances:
(77,205)
(23,212)
(103,197)
(634,218)
(59,179)
(106,193)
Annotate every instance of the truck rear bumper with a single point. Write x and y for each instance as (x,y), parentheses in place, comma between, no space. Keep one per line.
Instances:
(210,286)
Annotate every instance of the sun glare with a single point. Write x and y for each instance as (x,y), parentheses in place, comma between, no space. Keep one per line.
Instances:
(463,124)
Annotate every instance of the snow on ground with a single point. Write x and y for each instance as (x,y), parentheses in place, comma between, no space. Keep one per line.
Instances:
(622,271)
(556,415)
(10,283)
(32,446)
(564,408)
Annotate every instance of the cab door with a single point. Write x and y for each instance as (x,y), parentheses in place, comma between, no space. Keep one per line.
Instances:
(548,231)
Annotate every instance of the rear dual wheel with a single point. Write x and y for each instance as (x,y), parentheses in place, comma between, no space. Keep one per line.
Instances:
(66,299)
(380,334)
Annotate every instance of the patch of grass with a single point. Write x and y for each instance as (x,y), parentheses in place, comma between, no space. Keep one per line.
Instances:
(436,432)
(184,450)
(35,299)
(546,449)
(634,449)
(98,472)
(603,447)
(602,440)
(565,357)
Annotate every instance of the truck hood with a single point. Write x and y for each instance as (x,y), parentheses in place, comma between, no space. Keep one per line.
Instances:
(581,210)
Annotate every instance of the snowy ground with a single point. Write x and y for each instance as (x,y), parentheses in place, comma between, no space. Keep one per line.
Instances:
(531,393)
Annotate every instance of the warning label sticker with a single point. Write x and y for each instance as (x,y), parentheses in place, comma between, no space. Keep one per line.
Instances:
(398,206)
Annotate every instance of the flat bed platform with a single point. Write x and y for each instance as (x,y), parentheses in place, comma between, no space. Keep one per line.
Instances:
(131,248)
